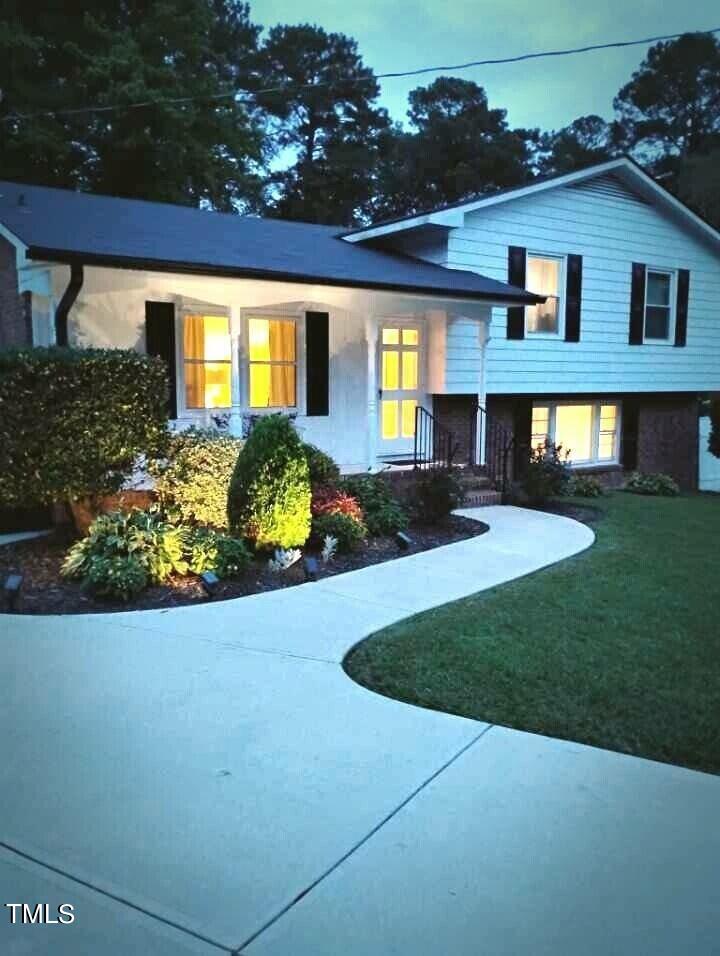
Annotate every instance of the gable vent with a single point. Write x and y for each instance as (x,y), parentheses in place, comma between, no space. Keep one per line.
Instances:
(608,186)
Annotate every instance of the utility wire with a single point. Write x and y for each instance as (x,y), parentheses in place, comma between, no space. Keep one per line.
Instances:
(239,93)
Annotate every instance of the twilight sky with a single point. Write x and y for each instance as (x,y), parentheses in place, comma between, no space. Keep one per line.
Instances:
(550,93)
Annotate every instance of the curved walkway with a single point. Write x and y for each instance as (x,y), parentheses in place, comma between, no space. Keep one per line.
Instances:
(208,780)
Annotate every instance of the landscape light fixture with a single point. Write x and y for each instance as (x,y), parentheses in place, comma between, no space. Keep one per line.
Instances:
(403,540)
(210,582)
(11,590)
(311,567)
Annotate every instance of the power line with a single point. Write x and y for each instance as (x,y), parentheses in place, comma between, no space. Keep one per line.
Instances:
(239,93)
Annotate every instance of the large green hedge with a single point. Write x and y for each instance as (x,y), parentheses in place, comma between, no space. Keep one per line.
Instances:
(269,499)
(73,421)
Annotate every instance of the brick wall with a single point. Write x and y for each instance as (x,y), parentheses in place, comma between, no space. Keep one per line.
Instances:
(455,412)
(668,437)
(15,308)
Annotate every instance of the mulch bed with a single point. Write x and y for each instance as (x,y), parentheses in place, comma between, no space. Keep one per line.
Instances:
(44,591)
(587,514)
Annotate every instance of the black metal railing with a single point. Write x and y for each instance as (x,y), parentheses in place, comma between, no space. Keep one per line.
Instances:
(500,447)
(435,445)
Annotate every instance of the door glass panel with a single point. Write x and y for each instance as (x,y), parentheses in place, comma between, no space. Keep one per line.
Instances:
(391,336)
(573,430)
(391,369)
(410,336)
(408,417)
(409,370)
(390,419)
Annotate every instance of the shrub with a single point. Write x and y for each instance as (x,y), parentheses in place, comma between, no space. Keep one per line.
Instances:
(546,473)
(73,421)
(143,536)
(347,532)
(436,494)
(333,501)
(121,576)
(384,515)
(658,484)
(323,470)
(193,479)
(584,486)
(269,497)
(206,550)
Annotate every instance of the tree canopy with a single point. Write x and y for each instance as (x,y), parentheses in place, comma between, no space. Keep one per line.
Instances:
(111,53)
(286,121)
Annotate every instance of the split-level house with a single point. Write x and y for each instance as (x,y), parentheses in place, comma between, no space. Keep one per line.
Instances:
(583,310)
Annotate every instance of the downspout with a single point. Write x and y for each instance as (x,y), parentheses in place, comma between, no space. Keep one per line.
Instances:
(66,303)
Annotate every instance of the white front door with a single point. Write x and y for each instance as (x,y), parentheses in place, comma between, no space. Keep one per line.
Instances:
(400,383)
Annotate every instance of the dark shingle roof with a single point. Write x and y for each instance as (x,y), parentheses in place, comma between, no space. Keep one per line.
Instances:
(61,225)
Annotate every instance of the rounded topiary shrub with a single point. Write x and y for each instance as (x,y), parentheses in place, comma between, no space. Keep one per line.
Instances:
(269,497)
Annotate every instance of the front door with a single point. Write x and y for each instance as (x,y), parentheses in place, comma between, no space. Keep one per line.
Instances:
(400,381)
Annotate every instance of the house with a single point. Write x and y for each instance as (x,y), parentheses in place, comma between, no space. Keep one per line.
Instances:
(251,315)
(612,364)
(582,309)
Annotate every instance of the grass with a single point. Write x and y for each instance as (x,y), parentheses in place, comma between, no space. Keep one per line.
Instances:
(618,647)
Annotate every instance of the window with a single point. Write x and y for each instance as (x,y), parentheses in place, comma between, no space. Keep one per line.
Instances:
(273,363)
(658,305)
(589,431)
(207,361)
(544,276)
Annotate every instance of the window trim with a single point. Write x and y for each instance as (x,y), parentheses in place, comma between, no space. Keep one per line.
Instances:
(286,315)
(183,409)
(562,283)
(596,404)
(672,273)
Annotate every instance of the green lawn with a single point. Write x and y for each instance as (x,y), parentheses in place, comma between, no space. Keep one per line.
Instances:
(618,647)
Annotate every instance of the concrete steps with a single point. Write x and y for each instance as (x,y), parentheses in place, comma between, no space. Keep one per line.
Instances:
(482,498)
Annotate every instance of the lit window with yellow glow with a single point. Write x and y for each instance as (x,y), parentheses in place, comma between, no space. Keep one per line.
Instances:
(273,364)
(543,277)
(588,431)
(207,361)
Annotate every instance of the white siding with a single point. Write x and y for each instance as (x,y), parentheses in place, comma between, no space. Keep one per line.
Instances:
(611,228)
(709,465)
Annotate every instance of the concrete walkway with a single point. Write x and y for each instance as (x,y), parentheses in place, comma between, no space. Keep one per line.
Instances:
(208,780)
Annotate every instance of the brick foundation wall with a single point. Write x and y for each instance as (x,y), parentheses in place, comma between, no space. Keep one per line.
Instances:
(668,437)
(455,412)
(15,308)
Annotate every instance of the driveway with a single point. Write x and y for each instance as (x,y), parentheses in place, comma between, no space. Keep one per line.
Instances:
(208,780)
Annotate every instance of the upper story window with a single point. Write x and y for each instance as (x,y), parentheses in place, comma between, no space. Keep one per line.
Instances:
(272,353)
(544,276)
(207,365)
(659,317)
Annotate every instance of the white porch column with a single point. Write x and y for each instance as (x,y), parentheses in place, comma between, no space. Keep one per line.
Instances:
(481,424)
(371,337)
(235,425)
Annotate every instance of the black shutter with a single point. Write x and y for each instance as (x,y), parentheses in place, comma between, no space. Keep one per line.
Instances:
(629,434)
(681,308)
(522,432)
(637,304)
(317,363)
(573,298)
(516,276)
(160,341)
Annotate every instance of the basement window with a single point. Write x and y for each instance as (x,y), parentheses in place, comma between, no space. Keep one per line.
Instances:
(589,431)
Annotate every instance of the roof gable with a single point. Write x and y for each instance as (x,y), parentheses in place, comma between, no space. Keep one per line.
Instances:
(621,174)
